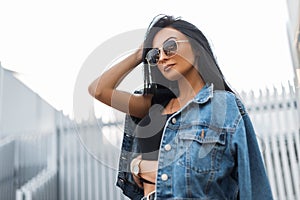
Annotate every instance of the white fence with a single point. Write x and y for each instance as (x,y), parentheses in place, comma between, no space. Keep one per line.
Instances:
(22,158)
(7,169)
(87,162)
(42,187)
(276,121)
(27,135)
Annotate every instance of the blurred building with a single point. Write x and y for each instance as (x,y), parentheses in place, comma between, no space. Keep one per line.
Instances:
(293,29)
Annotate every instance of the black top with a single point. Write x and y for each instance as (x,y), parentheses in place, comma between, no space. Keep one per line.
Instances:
(149,132)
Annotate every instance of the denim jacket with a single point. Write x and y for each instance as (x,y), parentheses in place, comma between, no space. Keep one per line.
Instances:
(208,150)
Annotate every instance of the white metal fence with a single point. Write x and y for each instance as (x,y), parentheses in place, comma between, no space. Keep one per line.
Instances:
(22,158)
(7,169)
(87,164)
(27,135)
(42,187)
(276,121)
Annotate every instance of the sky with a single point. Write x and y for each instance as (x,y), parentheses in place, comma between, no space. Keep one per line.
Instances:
(48,42)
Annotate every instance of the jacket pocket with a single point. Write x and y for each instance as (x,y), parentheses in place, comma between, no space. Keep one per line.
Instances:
(201,149)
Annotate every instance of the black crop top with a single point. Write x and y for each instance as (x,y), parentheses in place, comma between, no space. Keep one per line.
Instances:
(149,132)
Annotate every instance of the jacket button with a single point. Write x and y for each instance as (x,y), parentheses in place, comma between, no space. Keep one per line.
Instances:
(164,177)
(168,147)
(174,120)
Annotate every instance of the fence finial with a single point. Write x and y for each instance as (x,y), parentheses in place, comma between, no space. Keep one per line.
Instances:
(291,88)
(275,91)
(283,91)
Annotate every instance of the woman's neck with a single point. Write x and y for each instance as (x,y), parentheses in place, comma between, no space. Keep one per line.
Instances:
(189,86)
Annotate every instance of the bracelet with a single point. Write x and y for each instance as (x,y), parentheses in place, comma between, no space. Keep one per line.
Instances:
(135,168)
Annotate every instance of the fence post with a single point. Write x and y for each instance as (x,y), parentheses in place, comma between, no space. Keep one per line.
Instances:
(1,95)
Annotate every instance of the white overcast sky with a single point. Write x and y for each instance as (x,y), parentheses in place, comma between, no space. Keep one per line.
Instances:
(47,42)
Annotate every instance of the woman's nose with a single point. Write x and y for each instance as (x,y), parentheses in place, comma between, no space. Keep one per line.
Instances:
(162,56)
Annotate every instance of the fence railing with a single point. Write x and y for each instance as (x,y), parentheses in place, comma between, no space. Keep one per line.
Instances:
(32,152)
(87,166)
(42,186)
(275,118)
(7,158)
(22,157)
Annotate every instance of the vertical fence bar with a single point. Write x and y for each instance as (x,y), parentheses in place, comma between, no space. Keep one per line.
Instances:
(82,172)
(60,156)
(285,166)
(96,185)
(19,195)
(269,135)
(291,140)
(1,96)
(68,143)
(73,160)
(269,164)
(88,166)
(76,162)
(103,173)
(96,165)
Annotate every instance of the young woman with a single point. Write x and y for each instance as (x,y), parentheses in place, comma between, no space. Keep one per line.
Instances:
(187,135)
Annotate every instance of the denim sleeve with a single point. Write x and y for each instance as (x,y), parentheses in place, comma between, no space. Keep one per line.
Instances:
(251,174)
(125,179)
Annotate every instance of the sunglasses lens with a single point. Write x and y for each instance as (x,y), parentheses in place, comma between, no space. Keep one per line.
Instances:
(170,47)
(152,56)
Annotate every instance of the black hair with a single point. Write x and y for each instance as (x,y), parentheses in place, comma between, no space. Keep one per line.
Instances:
(156,83)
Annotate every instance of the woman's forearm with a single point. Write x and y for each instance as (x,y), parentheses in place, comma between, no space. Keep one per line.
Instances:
(103,86)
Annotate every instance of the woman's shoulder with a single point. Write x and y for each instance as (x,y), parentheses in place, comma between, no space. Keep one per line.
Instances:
(224,96)
(227,105)
(227,98)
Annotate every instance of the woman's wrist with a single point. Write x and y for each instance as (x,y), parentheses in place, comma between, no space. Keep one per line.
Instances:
(139,54)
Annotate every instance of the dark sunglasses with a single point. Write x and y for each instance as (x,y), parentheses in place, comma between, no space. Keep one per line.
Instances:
(169,47)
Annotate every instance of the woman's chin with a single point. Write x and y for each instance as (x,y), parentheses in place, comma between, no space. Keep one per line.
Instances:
(171,74)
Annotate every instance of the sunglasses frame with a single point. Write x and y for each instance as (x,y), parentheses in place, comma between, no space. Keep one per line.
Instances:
(162,48)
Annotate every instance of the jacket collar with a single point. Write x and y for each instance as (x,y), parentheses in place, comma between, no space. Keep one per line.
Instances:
(204,94)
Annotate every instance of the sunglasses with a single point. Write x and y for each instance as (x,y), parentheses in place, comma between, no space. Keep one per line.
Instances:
(169,47)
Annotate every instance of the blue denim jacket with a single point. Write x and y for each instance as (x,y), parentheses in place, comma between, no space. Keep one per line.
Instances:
(208,151)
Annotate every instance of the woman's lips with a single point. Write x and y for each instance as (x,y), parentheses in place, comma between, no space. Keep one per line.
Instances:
(168,67)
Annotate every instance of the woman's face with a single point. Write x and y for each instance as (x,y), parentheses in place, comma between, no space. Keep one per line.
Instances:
(181,64)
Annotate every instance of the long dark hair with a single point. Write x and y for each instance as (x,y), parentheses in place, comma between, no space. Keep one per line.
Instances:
(155,83)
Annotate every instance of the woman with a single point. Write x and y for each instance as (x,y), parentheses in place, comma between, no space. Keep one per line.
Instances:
(187,135)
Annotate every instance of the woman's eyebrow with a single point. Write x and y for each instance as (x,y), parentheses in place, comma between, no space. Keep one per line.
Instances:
(172,37)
